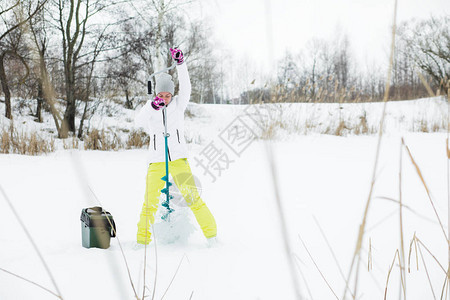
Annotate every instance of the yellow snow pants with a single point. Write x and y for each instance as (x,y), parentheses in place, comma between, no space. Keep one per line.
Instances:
(182,175)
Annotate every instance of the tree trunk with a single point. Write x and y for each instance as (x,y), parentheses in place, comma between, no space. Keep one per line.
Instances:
(80,130)
(5,87)
(128,103)
(68,124)
(47,91)
(40,99)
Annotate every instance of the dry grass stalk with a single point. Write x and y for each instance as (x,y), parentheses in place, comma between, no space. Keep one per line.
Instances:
(12,141)
(30,238)
(340,128)
(174,275)
(269,131)
(396,255)
(363,127)
(405,207)
(413,241)
(331,250)
(93,141)
(283,226)
(436,127)
(317,267)
(448,181)
(381,221)
(402,240)
(426,84)
(145,254)
(426,271)
(356,255)
(101,140)
(444,290)
(32,282)
(424,126)
(137,139)
(6,139)
(420,243)
(156,263)
(118,241)
(345,126)
(80,171)
(303,276)
(5,142)
(448,150)
(73,144)
(427,190)
(418,248)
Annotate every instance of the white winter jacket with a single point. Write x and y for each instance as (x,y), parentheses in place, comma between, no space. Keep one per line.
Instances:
(152,122)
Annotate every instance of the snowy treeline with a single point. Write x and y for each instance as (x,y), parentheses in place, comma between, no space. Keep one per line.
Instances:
(79,51)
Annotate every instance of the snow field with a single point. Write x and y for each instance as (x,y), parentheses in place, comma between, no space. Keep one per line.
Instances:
(321,177)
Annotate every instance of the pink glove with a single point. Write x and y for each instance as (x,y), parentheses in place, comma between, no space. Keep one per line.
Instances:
(158,103)
(177,55)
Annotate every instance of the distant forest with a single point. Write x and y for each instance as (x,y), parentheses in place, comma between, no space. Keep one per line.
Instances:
(77,52)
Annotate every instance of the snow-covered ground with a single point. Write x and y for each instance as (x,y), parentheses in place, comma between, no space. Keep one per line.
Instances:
(323,184)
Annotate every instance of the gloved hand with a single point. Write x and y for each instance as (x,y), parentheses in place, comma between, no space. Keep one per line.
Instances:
(158,103)
(177,55)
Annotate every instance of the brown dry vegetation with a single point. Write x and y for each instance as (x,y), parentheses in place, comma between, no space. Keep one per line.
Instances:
(12,141)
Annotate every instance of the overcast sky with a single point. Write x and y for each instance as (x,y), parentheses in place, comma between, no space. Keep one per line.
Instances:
(243,26)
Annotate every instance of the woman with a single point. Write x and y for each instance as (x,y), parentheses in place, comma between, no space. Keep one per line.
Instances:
(151,119)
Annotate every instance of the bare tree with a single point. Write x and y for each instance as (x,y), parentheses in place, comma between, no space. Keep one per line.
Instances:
(72,25)
(41,33)
(342,62)
(317,71)
(203,63)
(161,25)
(373,82)
(428,43)
(163,8)
(103,42)
(288,76)
(14,15)
(406,83)
(82,42)
(127,75)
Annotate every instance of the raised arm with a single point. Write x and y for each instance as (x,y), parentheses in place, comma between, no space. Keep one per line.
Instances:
(184,92)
